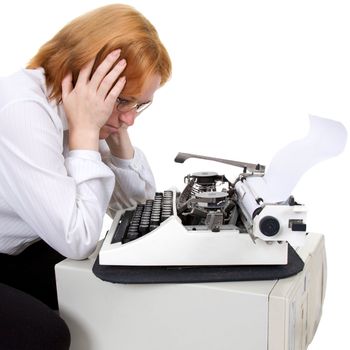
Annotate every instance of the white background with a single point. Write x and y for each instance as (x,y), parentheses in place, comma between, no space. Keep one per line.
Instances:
(246,74)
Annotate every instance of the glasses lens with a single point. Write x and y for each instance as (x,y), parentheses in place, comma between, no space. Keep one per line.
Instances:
(126,106)
(140,108)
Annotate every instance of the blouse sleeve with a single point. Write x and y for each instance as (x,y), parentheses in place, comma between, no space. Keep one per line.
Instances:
(63,200)
(134,180)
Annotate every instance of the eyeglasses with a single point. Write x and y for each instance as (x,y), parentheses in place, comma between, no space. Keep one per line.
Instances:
(126,106)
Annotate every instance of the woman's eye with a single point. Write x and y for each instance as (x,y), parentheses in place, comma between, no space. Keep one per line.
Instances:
(122,101)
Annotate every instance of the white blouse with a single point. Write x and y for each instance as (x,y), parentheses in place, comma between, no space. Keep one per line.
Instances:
(47,191)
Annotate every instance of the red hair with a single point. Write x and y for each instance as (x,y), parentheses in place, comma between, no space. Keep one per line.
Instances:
(96,34)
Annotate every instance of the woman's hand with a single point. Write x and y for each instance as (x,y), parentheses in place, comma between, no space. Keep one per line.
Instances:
(91,102)
(119,143)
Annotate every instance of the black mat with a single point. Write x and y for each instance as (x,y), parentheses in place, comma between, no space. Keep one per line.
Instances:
(193,274)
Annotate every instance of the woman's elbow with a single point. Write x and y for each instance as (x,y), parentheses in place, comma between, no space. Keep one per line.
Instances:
(79,252)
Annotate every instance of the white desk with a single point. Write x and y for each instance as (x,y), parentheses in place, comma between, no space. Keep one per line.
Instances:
(262,315)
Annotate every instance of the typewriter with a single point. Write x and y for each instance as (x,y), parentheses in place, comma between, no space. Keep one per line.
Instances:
(210,222)
(213,221)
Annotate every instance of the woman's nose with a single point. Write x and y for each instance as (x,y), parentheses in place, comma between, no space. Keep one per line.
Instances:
(128,117)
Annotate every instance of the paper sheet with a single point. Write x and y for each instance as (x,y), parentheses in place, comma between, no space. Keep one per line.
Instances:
(326,139)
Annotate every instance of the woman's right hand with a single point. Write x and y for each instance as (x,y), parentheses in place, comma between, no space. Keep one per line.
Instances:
(89,104)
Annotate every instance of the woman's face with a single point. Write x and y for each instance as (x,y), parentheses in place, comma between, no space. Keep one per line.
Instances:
(119,119)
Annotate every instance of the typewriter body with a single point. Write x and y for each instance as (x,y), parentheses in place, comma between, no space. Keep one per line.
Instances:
(212,221)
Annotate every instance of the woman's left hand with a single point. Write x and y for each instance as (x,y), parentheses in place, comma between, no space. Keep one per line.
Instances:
(119,143)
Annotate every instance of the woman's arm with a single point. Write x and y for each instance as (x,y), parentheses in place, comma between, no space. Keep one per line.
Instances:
(134,180)
(62,200)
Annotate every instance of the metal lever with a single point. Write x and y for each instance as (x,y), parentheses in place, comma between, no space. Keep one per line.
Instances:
(254,168)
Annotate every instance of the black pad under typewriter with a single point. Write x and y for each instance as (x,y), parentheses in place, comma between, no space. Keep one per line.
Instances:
(195,274)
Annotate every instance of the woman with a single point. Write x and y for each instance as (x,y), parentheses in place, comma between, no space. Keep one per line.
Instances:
(66,156)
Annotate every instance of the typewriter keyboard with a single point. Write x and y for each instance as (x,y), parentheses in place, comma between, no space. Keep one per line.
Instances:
(144,218)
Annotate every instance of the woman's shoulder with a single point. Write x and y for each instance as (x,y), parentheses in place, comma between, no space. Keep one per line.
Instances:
(26,90)
(24,85)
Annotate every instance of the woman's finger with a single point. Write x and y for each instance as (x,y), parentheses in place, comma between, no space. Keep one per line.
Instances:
(85,73)
(67,85)
(103,69)
(110,79)
(115,91)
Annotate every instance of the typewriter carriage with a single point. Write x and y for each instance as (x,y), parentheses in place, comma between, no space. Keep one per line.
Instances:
(210,201)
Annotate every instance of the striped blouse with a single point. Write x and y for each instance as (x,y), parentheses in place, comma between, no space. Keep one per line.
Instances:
(48,192)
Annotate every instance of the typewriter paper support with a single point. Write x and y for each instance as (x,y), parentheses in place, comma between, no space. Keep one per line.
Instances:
(247,222)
